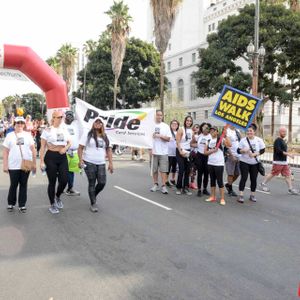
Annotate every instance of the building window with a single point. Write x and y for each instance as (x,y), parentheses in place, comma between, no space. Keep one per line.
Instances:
(193,89)
(206,114)
(193,57)
(194,115)
(209,28)
(213,26)
(169,66)
(180,61)
(169,46)
(169,92)
(281,109)
(180,89)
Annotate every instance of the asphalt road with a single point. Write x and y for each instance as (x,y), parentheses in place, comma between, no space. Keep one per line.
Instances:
(135,249)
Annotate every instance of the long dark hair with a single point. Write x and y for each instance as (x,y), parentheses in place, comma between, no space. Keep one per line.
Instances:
(93,133)
(184,125)
(178,124)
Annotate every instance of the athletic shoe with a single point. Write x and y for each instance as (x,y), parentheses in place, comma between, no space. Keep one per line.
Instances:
(233,194)
(53,209)
(173,182)
(206,192)
(154,188)
(10,208)
(293,192)
(164,190)
(222,202)
(72,192)
(193,186)
(58,203)
(252,198)
(22,209)
(94,208)
(186,191)
(178,192)
(264,187)
(199,194)
(210,199)
(228,188)
(240,199)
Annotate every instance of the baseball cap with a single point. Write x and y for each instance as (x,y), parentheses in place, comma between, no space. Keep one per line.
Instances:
(19,119)
(214,128)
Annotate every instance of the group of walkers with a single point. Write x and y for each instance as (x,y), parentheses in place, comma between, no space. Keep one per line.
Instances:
(63,152)
(198,149)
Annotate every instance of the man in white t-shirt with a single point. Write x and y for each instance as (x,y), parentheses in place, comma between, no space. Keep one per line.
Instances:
(160,161)
(72,127)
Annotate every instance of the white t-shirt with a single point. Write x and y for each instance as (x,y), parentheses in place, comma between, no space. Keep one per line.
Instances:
(12,142)
(217,158)
(172,146)
(186,138)
(56,136)
(92,153)
(257,145)
(73,130)
(202,141)
(160,147)
(233,137)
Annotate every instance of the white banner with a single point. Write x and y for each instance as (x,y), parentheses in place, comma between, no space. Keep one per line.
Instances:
(128,127)
(8,74)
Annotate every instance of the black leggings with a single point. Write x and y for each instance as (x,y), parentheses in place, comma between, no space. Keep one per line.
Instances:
(56,168)
(216,175)
(17,178)
(201,163)
(184,171)
(172,164)
(95,173)
(245,170)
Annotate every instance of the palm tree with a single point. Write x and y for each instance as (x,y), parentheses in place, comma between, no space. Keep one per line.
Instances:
(164,14)
(119,30)
(54,63)
(67,56)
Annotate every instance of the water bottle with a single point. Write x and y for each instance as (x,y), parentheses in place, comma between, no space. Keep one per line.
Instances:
(43,171)
(82,167)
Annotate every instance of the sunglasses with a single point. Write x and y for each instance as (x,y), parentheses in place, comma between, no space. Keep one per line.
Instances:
(20,123)
(58,117)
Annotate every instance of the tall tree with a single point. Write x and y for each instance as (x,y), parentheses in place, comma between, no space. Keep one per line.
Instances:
(54,63)
(67,56)
(139,79)
(164,14)
(119,30)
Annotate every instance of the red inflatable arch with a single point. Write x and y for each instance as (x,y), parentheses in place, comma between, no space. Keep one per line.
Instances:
(28,62)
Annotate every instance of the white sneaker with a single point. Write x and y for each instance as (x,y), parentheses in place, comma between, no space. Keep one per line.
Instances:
(264,187)
(293,192)
(154,188)
(53,209)
(178,192)
(164,190)
(58,203)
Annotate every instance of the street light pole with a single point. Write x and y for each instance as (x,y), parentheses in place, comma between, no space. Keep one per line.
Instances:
(255,54)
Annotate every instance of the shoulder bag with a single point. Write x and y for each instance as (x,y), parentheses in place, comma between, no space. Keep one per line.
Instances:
(26,165)
(260,166)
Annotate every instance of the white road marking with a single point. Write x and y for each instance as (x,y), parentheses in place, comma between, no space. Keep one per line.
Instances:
(259,191)
(142,198)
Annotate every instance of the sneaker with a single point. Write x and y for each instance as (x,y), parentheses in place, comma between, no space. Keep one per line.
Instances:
(210,199)
(264,187)
(240,199)
(293,192)
(10,208)
(72,192)
(252,198)
(94,208)
(164,190)
(178,192)
(222,202)
(154,188)
(53,209)
(22,209)
(233,193)
(206,192)
(58,203)
(187,192)
(199,194)
(228,188)
(173,182)
(193,186)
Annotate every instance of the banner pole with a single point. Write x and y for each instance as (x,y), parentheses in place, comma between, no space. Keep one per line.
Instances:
(222,135)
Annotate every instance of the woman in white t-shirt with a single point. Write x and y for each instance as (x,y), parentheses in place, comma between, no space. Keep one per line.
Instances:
(174,126)
(216,163)
(57,141)
(93,148)
(16,145)
(249,162)
(183,141)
